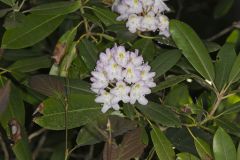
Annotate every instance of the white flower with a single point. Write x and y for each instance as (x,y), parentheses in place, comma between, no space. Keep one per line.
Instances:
(113,71)
(143,15)
(121,75)
(134,6)
(106,98)
(99,80)
(121,56)
(121,92)
(159,6)
(131,74)
(138,92)
(163,25)
(135,59)
(133,23)
(149,23)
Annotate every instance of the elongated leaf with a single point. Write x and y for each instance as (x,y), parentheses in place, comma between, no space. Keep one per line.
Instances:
(235,71)
(131,147)
(223,65)
(34,29)
(160,114)
(222,8)
(146,47)
(81,110)
(22,150)
(162,145)
(186,156)
(223,146)
(56,8)
(230,127)
(203,148)
(169,82)
(52,85)
(31,64)
(4,96)
(105,15)
(88,52)
(232,109)
(165,61)
(193,48)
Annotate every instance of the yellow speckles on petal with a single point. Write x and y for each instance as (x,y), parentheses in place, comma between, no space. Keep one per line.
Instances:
(121,55)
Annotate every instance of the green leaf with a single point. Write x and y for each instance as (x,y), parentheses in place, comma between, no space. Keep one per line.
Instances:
(33,29)
(212,46)
(230,127)
(238,152)
(164,62)
(178,96)
(186,156)
(162,145)
(225,59)
(82,109)
(234,37)
(192,48)
(169,82)
(88,53)
(31,64)
(56,8)
(222,8)
(203,148)
(235,108)
(223,146)
(8,2)
(235,71)
(146,47)
(22,150)
(106,15)
(4,96)
(160,114)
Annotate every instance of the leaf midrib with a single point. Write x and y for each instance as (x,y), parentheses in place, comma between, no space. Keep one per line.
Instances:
(194,49)
(25,33)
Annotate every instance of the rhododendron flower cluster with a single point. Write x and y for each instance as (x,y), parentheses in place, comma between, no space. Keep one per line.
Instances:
(143,15)
(121,76)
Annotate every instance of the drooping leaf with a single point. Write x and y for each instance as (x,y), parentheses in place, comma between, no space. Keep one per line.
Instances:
(4,96)
(193,48)
(212,46)
(106,16)
(162,145)
(56,8)
(31,64)
(186,156)
(33,29)
(203,148)
(235,71)
(146,47)
(164,62)
(222,8)
(63,44)
(81,110)
(223,65)
(160,114)
(223,146)
(88,53)
(169,82)
(130,147)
